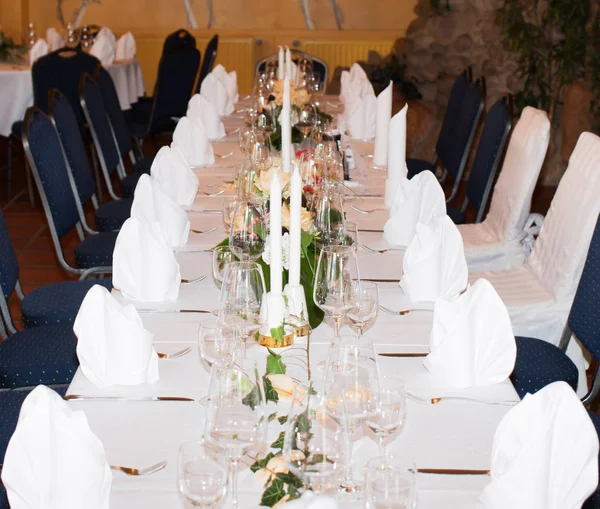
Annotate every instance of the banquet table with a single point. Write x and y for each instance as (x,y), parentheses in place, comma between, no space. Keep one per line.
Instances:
(453,434)
(17,89)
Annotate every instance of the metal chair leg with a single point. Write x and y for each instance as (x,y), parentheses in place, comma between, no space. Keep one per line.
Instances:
(9,166)
(30,190)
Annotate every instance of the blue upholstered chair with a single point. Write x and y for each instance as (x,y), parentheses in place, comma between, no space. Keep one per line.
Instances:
(119,122)
(52,304)
(444,145)
(108,216)
(104,138)
(540,363)
(210,55)
(490,151)
(54,182)
(178,40)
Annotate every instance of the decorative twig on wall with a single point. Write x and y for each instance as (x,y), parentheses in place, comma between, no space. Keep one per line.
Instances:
(306,13)
(338,13)
(187,4)
(59,13)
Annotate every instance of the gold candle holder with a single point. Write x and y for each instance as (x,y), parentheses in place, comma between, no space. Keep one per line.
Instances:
(271,342)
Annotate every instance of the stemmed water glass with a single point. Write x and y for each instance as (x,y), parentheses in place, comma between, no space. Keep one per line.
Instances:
(236,417)
(248,230)
(351,388)
(202,474)
(242,295)
(366,305)
(328,208)
(217,343)
(222,256)
(307,118)
(391,483)
(227,210)
(333,292)
(390,410)
(314,443)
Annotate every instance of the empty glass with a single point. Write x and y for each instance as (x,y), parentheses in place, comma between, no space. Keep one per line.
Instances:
(236,417)
(390,410)
(391,484)
(222,255)
(328,207)
(202,474)
(366,304)
(307,118)
(217,343)
(248,232)
(227,209)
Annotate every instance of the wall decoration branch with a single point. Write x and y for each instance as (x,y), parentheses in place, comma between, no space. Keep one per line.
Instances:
(338,14)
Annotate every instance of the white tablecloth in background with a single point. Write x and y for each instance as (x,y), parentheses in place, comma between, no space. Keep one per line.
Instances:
(16,89)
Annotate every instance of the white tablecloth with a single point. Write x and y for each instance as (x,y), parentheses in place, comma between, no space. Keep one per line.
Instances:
(451,434)
(17,89)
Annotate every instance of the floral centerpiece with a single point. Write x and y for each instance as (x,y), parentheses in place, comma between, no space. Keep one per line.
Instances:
(10,51)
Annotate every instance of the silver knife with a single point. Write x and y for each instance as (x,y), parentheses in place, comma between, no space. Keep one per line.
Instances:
(79,397)
(150,310)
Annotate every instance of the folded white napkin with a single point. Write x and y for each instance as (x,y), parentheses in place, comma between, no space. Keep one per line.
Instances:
(382,125)
(309,500)
(434,263)
(191,139)
(396,164)
(200,109)
(104,48)
(174,176)
(416,200)
(545,453)
(55,40)
(126,47)
(144,268)
(360,118)
(216,93)
(39,49)
(351,82)
(112,345)
(472,341)
(152,204)
(53,459)
(108,34)
(229,81)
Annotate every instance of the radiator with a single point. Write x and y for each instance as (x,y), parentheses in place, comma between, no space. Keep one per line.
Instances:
(236,55)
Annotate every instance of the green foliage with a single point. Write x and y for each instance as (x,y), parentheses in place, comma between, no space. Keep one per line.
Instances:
(274,493)
(9,50)
(275,365)
(278,444)
(552,45)
(258,464)
(270,392)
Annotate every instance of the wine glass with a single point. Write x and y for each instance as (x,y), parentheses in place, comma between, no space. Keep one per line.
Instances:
(345,234)
(242,295)
(332,291)
(227,210)
(366,305)
(217,343)
(351,388)
(328,207)
(314,443)
(307,118)
(202,474)
(248,230)
(222,256)
(259,151)
(243,136)
(236,417)
(390,410)
(391,483)
(252,110)
(267,121)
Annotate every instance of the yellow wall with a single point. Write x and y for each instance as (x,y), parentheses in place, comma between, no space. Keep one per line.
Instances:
(248,29)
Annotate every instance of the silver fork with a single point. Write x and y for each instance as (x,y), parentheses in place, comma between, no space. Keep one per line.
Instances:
(215,194)
(380,251)
(224,156)
(174,355)
(140,471)
(402,312)
(333,105)
(361,211)
(435,401)
(235,131)
(192,281)
(200,232)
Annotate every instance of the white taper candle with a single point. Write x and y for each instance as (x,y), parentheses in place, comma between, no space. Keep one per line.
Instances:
(286,130)
(275,237)
(295,226)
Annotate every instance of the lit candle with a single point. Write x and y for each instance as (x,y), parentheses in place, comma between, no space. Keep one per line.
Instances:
(286,130)
(288,63)
(275,236)
(295,226)
(281,65)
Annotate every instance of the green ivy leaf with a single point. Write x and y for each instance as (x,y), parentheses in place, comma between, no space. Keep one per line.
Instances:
(252,398)
(272,416)
(277,333)
(270,392)
(258,464)
(278,444)
(291,480)
(275,365)
(273,494)
(283,419)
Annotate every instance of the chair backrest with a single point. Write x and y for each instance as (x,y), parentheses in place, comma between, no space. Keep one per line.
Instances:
(511,199)
(465,128)
(319,66)
(113,108)
(584,318)
(9,266)
(61,70)
(99,122)
(49,167)
(178,40)
(63,117)
(490,150)
(444,143)
(559,253)
(210,55)
(175,83)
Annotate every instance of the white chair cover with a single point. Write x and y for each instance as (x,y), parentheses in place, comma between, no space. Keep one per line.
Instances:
(539,294)
(496,243)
